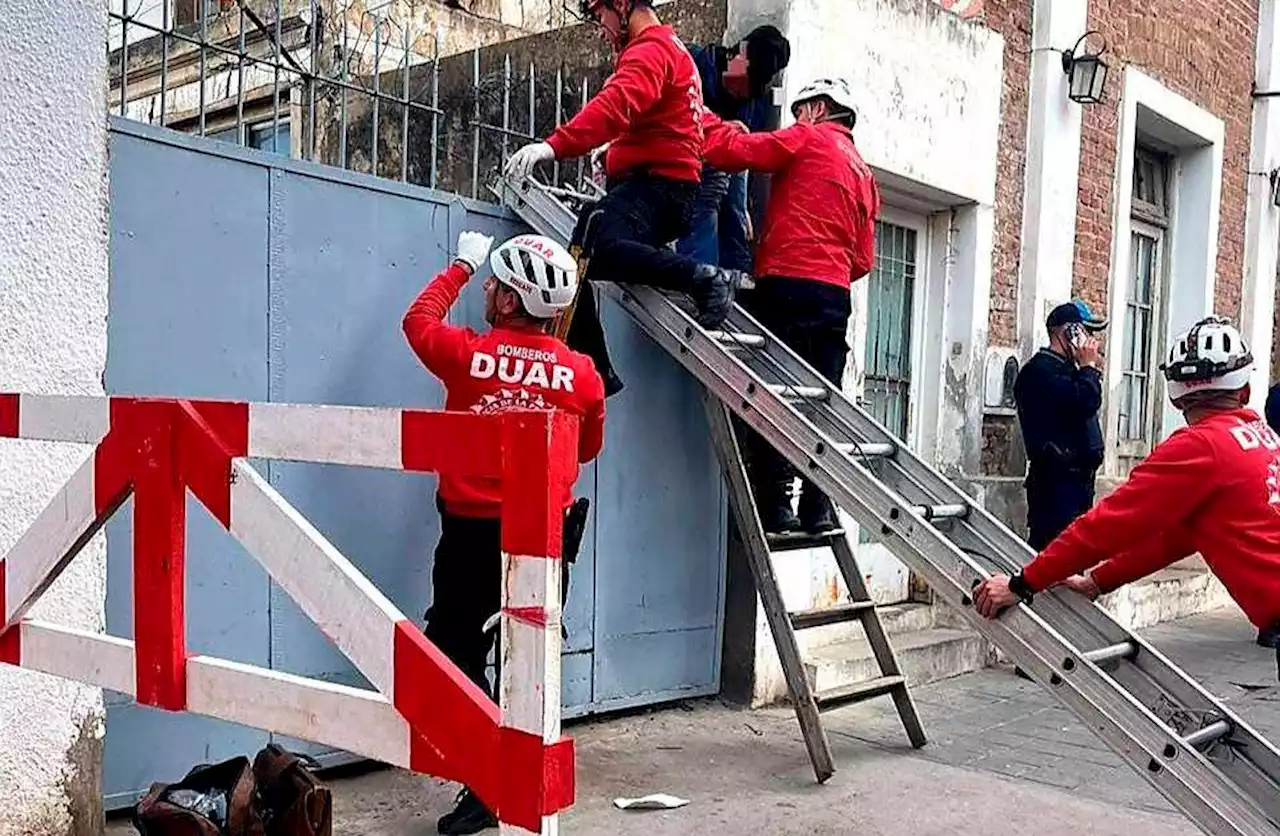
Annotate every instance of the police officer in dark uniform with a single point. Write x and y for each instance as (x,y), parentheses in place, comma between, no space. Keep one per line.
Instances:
(1058,394)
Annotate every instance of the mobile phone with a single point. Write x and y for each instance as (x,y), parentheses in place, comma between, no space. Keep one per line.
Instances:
(1075,334)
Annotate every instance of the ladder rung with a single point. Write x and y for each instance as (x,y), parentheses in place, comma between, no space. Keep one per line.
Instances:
(868,449)
(942,512)
(794,541)
(733,339)
(838,614)
(1106,654)
(802,393)
(1210,733)
(859,691)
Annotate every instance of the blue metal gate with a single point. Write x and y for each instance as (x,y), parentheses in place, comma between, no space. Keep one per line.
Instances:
(245,275)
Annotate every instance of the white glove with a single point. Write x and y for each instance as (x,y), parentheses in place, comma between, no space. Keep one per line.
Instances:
(521,163)
(473,249)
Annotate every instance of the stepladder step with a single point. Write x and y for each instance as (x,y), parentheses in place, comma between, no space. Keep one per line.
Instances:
(859,691)
(796,540)
(824,616)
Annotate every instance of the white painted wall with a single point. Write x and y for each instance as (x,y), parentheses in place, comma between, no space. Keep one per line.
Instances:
(928,86)
(1052,173)
(53,338)
(1262,218)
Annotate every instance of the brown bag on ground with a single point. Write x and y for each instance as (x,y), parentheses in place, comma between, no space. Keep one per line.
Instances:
(293,801)
(212,800)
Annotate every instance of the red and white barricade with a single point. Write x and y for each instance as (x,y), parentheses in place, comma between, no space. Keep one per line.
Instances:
(426,715)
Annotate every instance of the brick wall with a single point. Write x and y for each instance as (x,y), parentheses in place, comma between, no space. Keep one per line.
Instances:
(1012,19)
(1203,51)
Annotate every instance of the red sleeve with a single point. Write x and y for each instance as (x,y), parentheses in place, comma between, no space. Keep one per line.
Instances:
(592,441)
(769,152)
(1142,560)
(864,256)
(591,395)
(633,89)
(1167,485)
(441,347)
(716,135)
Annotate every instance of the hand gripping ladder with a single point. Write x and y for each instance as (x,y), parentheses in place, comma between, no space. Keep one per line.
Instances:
(1206,760)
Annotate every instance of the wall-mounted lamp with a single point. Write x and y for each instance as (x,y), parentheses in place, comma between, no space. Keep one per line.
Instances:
(1086,72)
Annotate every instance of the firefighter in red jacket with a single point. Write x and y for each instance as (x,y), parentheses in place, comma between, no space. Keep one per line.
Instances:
(515,365)
(649,113)
(1212,487)
(818,237)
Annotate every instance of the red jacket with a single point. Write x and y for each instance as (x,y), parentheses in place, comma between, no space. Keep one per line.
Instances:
(1212,488)
(649,110)
(820,223)
(502,370)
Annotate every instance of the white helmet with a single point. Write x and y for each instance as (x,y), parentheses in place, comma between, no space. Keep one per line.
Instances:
(541,271)
(1210,356)
(835,89)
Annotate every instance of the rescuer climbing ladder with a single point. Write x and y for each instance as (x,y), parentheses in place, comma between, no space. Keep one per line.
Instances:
(1204,758)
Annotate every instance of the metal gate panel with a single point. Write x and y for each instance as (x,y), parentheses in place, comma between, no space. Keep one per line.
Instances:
(186,300)
(660,570)
(246,275)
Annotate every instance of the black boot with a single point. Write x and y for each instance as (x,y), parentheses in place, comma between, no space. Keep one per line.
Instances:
(713,290)
(817,515)
(1270,637)
(774,506)
(468,816)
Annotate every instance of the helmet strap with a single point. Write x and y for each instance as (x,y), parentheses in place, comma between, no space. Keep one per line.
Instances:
(624,23)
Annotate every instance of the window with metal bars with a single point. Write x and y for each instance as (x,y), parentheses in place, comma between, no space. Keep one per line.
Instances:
(886,388)
(890,300)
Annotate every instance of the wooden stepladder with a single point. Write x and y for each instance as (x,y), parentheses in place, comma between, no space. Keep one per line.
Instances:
(760,549)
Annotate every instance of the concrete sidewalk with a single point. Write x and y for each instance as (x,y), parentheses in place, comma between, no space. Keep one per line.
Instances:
(1003,757)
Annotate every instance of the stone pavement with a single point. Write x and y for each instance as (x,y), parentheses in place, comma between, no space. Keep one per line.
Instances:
(1003,757)
(994,722)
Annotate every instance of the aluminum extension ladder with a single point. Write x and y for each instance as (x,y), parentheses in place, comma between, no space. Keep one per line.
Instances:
(1206,760)
(760,548)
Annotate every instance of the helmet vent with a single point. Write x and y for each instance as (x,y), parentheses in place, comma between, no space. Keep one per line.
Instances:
(526,264)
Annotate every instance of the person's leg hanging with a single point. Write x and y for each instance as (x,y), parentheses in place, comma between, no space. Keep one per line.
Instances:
(641,216)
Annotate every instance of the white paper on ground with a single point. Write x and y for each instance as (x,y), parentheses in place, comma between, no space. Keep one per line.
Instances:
(656,801)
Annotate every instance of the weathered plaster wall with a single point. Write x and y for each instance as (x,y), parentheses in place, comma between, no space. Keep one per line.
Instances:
(53,305)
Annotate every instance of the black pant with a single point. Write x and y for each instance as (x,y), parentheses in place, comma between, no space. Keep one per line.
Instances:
(624,236)
(1054,500)
(466,589)
(811,318)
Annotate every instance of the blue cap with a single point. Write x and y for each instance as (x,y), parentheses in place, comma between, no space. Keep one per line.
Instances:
(1075,311)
